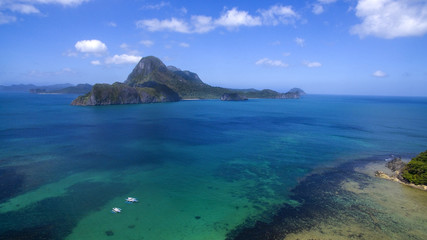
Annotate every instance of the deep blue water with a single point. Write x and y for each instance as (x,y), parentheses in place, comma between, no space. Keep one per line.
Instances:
(263,146)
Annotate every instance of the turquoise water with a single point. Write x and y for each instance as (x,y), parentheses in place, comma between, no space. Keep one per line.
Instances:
(199,168)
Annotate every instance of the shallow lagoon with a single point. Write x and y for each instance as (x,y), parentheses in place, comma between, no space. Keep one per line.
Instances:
(201,169)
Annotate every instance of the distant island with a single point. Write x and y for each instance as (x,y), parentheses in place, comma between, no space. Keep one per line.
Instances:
(151,81)
(65,88)
(78,89)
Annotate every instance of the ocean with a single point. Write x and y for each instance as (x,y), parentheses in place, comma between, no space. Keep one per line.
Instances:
(207,169)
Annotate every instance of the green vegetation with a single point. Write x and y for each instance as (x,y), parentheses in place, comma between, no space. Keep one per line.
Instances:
(416,170)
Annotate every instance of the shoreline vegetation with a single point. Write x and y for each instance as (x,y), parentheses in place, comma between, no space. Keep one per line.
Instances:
(412,174)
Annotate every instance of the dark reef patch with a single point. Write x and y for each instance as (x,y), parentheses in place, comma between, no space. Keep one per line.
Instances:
(10,183)
(321,198)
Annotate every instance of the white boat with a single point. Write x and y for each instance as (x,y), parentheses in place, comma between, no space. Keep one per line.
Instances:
(116,210)
(131,200)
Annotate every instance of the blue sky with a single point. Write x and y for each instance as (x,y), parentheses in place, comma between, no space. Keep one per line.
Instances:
(362,47)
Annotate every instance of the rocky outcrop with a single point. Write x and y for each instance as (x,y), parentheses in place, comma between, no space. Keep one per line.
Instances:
(397,166)
(119,93)
(232,97)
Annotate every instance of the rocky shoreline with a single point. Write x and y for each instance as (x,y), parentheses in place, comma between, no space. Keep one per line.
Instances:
(396,165)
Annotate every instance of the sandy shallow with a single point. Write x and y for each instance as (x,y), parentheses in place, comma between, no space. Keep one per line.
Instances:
(394,211)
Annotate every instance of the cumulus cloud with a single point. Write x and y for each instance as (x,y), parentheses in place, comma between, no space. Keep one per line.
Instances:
(147,43)
(90,46)
(318,6)
(122,59)
(9,8)
(312,64)
(230,19)
(317,9)
(269,62)
(379,73)
(184,45)
(391,18)
(24,8)
(278,14)
(95,62)
(202,24)
(235,18)
(173,24)
(300,41)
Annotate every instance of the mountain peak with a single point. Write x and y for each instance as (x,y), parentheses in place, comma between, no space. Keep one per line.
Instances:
(144,69)
(149,64)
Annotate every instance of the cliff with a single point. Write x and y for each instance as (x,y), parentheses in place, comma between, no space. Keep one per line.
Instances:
(119,93)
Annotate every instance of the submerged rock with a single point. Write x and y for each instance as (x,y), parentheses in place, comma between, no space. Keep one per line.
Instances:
(396,164)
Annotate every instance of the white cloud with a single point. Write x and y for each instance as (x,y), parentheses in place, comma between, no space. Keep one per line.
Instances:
(391,18)
(317,9)
(90,46)
(61,2)
(184,45)
(122,59)
(269,62)
(278,14)
(326,1)
(95,62)
(230,19)
(300,41)
(202,24)
(24,8)
(157,6)
(379,73)
(286,54)
(112,24)
(312,64)
(4,19)
(29,7)
(173,24)
(235,18)
(147,43)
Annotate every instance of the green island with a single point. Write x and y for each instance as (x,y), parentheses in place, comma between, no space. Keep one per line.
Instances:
(416,170)
(151,81)
(413,173)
